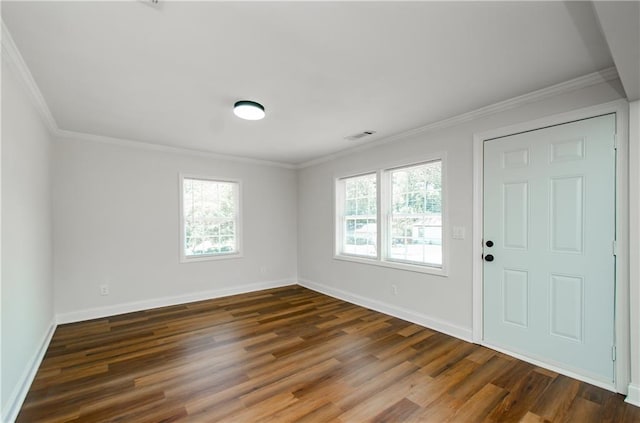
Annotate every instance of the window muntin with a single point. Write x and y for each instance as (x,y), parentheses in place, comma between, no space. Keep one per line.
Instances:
(210,218)
(360,216)
(415,214)
(407,228)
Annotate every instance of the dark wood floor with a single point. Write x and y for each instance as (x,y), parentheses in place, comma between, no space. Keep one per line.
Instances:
(291,354)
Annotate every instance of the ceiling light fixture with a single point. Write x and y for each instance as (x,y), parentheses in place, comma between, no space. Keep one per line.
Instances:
(249,110)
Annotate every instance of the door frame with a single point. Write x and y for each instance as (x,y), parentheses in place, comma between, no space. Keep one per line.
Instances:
(621,307)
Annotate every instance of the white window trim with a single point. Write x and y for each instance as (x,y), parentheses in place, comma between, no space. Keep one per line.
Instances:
(208,257)
(339,217)
(383,188)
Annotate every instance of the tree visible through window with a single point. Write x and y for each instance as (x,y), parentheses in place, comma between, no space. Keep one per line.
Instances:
(209,217)
(392,217)
(360,216)
(416,214)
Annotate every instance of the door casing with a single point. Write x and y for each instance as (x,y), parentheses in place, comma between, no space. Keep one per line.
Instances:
(620,108)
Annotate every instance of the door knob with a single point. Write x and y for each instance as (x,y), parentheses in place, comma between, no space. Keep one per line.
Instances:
(489,243)
(488,257)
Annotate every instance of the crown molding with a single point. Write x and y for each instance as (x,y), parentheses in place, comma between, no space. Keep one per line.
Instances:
(594,78)
(64,134)
(12,54)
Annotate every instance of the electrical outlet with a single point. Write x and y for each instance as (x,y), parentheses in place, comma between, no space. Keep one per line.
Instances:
(394,288)
(263,270)
(104,289)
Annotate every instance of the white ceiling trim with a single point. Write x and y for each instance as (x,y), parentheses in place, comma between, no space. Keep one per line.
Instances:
(64,134)
(13,56)
(11,52)
(554,90)
(594,78)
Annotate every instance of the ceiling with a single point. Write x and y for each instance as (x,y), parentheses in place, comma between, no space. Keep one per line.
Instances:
(169,75)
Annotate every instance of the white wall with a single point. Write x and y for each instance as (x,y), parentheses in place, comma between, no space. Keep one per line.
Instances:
(116,211)
(27,288)
(442,302)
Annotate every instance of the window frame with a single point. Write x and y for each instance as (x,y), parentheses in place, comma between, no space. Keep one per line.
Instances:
(384,205)
(340,198)
(238,220)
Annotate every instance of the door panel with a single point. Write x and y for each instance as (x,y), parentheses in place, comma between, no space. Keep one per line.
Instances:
(515,297)
(566,199)
(549,208)
(515,215)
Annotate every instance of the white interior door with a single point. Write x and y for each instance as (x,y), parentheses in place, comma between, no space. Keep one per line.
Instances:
(549,231)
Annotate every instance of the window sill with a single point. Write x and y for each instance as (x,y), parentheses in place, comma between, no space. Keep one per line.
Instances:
(210,257)
(393,265)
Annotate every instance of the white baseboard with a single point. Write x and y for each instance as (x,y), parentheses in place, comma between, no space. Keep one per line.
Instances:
(418,318)
(633,397)
(19,393)
(100,312)
(560,368)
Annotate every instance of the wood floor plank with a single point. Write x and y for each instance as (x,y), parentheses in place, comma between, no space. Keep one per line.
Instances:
(584,411)
(521,397)
(369,407)
(290,383)
(296,410)
(479,378)
(480,404)
(556,401)
(440,410)
(292,355)
(532,418)
(401,411)
(431,389)
(327,413)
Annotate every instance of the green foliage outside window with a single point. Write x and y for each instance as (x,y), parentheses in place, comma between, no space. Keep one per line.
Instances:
(209,211)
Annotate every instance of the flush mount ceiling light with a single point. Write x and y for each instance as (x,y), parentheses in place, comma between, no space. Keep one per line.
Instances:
(249,110)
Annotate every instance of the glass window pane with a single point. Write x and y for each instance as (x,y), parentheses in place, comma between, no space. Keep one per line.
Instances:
(416,214)
(210,216)
(360,216)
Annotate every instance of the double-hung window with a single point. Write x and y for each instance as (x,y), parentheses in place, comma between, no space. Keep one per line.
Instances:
(415,215)
(358,215)
(392,217)
(210,218)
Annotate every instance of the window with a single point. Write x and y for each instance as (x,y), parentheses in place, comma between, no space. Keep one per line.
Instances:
(415,214)
(408,233)
(359,229)
(210,222)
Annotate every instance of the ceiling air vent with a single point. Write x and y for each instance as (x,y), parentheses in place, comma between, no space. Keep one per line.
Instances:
(359,135)
(152,3)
